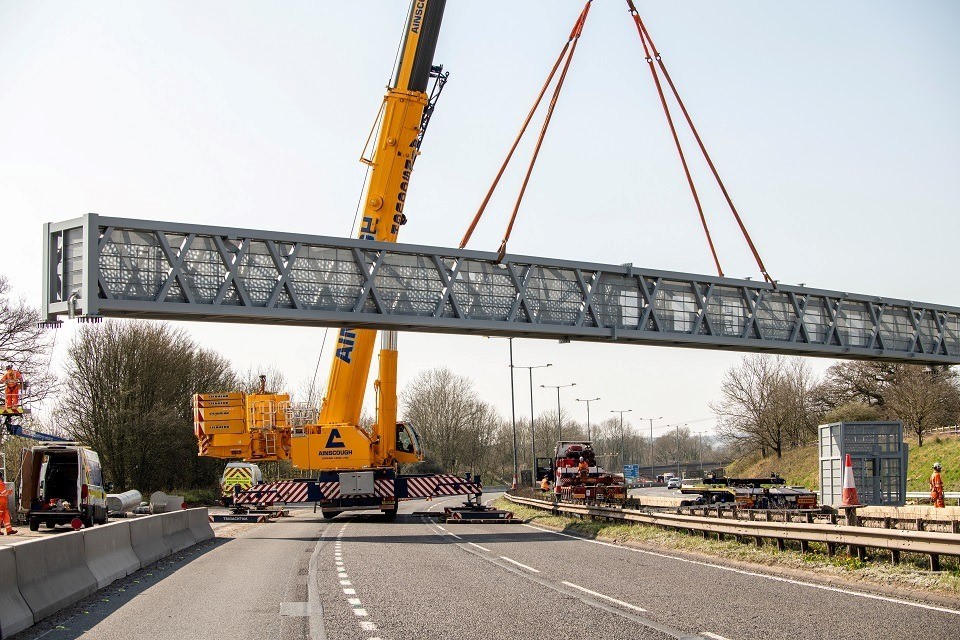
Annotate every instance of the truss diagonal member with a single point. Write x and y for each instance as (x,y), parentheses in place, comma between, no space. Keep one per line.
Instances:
(176,266)
(369,287)
(586,307)
(232,259)
(520,283)
(447,278)
(284,265)
(645,35)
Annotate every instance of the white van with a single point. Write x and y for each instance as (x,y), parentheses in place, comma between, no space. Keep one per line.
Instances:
(61,483)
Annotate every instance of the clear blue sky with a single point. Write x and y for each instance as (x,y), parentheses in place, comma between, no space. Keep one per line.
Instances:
(835,126)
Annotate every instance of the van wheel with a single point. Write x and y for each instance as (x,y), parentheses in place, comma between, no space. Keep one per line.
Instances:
(34,524)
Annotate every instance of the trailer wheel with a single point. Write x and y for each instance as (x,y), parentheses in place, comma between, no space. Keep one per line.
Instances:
(34,524)
(329,515)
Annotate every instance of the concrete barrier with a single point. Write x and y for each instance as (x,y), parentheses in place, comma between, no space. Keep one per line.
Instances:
(147,540)
(176,531)
(199,520)
(52,573)
(15,614)
(109,553)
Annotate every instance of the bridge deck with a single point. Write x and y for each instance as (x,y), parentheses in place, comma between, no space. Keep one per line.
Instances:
(117,267)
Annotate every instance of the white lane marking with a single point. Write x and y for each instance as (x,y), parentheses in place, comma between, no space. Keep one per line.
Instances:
(354,601)
(360,613)
(754,574)
(345,583)
(522,566)
(368,626)
(479,547)
(317,630)
(441,528)
(349,592)
(608,598)
(707,634)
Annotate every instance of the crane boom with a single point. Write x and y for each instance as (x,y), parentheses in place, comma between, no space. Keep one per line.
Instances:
(395,153)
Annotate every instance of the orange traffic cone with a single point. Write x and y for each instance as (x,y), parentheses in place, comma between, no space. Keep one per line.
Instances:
(514,487)
(850,498)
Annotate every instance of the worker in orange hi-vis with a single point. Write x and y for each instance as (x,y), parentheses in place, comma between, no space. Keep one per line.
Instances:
(12,383)
(583,467)
(936,486)
(545,483)
(5,495)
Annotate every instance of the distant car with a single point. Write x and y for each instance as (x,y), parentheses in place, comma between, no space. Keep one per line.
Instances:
(673,483)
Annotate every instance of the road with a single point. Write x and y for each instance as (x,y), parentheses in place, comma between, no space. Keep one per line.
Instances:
(361,578)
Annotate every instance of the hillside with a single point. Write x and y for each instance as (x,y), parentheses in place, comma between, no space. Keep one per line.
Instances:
(799,466)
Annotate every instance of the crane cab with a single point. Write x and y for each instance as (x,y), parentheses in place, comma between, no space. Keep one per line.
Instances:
(409,447)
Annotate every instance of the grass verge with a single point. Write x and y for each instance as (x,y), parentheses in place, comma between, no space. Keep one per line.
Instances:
(877,570)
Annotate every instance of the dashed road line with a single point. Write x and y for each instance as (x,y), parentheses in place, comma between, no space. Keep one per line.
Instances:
(605,597)
(473,544)
(707,634)
(754,574)
(520,564)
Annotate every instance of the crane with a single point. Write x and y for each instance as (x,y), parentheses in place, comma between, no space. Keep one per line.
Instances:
(358,466)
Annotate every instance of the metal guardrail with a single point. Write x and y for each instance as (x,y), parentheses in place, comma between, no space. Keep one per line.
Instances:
(949,495)
(934,544)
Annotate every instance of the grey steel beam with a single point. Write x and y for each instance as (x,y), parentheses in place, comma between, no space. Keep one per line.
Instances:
(113,267)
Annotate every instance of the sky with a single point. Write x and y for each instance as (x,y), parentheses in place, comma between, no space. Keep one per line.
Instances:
(834,126)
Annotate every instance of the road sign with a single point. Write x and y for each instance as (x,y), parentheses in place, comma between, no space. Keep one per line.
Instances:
(631,472)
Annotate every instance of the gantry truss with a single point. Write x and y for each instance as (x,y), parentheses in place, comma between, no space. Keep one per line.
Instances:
(112,267)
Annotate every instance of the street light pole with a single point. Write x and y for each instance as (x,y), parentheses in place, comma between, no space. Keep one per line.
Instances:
(513,418)
(558,387)
(653,474)
(588,413)
(621,412)
(533,436)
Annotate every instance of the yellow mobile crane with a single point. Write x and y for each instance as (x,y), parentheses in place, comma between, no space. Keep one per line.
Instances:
(357,467)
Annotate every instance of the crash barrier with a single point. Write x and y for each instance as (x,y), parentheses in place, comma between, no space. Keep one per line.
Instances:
(176,531)
(200,524)
(42,576)
(933,544)
(15,614)
(53,573)
(147,539)
(109,553)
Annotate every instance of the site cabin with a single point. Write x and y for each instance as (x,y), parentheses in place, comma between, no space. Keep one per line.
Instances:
(62,484)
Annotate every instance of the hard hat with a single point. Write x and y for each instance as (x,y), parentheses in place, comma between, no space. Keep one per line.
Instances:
(936,465)
(9,366)
(581,457)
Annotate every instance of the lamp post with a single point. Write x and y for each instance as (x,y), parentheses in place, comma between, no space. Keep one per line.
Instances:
(558,387)
(653,474)
(621,412)
(588,413)
(513,416)
(533,437)
(678,448)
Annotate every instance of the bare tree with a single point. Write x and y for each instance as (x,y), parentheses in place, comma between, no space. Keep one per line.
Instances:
(24,345)
(923,398)
(766,404)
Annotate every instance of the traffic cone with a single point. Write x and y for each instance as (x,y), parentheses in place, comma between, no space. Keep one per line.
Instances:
(514,487)
(849,488)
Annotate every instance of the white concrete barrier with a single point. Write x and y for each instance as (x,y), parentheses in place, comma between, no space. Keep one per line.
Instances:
(15,614)
(52,573)
(199,520)
(147,540)
(176,531)
(109,552)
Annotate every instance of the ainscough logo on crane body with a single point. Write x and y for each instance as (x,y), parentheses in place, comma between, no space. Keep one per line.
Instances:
(417,21)
(345,344)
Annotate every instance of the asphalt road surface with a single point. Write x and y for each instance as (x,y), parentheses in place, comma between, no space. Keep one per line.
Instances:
(362,578)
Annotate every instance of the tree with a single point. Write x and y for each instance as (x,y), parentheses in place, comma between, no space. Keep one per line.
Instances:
(24,345)
(923,398)
(767,404)
(457,427)
(127,395)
